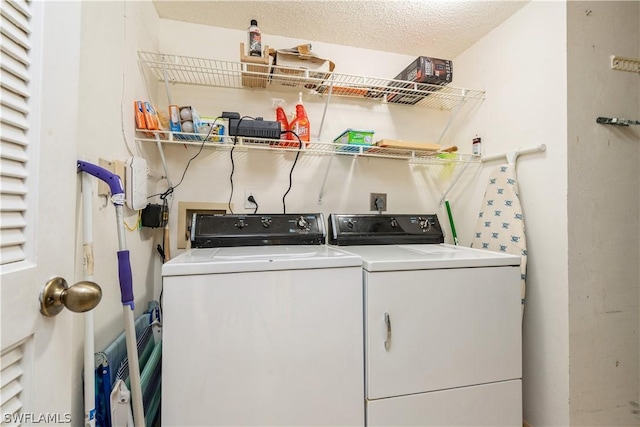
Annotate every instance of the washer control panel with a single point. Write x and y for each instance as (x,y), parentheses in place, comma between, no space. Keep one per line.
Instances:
(221,230)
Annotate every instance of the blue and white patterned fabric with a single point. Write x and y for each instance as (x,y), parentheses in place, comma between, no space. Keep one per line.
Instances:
(500,226)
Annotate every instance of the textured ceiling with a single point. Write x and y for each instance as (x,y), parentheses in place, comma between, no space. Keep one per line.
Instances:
(437,28)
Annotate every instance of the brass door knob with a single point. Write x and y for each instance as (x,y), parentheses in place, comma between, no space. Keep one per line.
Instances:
(82,296)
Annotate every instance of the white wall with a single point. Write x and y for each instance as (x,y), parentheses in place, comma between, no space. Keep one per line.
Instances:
(604,208)
(112,32)
(410,188)
(521,64)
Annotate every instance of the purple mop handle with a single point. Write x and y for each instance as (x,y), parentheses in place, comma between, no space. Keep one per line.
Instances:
(126,280)
(112,180)
(117,198)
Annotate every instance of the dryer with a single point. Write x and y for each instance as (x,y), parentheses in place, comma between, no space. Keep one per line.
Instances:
(443,340)
(262,325)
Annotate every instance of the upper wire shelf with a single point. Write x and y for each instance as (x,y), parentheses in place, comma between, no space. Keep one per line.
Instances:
(316,148)
(178,69)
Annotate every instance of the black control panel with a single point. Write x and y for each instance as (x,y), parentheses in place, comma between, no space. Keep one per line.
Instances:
(222,230)
(384,229)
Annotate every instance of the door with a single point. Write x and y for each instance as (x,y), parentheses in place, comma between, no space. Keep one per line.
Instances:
(270,348)
(40,63)
(439,329)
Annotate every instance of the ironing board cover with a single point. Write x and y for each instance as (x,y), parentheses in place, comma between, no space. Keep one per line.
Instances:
(500,225)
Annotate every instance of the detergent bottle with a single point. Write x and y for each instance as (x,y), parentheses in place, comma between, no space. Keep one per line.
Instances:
(281,116)
(300,124)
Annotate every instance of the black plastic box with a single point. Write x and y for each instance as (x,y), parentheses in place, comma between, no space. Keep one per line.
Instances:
(424,69)
(428,70)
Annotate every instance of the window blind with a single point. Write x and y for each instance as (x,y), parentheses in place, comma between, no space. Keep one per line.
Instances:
(15,33)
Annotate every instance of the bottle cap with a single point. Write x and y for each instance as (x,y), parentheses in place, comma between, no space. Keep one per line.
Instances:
(254,22)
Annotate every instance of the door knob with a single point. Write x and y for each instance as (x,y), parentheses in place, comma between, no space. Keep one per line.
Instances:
(57,294)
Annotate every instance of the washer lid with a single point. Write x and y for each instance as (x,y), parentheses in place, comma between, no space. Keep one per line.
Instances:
(427,257)
(258,258)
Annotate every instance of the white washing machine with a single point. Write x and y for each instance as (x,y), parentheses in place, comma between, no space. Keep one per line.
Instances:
(262,326)
(443,334)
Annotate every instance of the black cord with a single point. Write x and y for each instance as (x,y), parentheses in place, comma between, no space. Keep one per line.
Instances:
(284,205)
(169,191)
(253,200)
(233,165)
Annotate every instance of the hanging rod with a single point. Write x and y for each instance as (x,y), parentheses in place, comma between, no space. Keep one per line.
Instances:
(512,155)
(616,121)
(511,158)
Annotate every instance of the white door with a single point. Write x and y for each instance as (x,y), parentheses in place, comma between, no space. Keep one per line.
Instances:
(438,329)
(40,67)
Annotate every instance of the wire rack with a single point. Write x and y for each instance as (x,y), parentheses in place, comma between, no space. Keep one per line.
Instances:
(177,69)
(313,148)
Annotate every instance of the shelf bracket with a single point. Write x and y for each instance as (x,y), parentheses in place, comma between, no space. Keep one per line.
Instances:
(324,112)
(166,84)
(625,64)
(453,115)
(324,179)
(164,160)
(453,183)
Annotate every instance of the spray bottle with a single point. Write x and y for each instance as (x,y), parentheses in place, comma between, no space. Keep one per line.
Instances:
(281,116)
(300,124)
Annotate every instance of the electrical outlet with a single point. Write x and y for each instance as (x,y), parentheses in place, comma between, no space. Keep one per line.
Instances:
(378,202)
(247,203)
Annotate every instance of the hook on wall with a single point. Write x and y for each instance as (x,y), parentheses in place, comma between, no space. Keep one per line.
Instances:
(616,121)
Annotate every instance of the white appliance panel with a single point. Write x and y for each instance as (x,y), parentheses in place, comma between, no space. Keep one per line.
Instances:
(427,257)
(491,405)
(448,328)
(257,258)
(264,348)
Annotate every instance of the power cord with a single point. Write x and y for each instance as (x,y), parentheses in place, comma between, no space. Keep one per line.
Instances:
(233,166)
(379,204)
(253,200)
(170,190)
(284,205)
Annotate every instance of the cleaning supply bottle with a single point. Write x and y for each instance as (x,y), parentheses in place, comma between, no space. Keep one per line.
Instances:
(281,116)
(300,124)
(255,39)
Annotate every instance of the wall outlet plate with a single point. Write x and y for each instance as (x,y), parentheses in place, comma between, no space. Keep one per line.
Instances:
(378,202)
(247,203)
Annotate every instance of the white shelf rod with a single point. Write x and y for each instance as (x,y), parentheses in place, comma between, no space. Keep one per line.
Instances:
(453,183)
(453,115)
(511,156)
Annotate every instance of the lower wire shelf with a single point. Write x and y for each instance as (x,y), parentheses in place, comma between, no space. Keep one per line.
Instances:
(309,148)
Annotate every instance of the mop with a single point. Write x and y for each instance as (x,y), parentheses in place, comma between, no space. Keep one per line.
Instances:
(89,363)
(126,284)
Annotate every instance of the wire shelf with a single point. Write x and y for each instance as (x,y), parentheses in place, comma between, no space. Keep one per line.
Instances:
(177,69)
(313,148)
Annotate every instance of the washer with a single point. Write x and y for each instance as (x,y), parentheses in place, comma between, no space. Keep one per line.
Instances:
(443,332)
(262,325)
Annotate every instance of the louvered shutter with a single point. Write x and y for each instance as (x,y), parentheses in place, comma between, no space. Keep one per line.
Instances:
(12,381)
(15,32)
